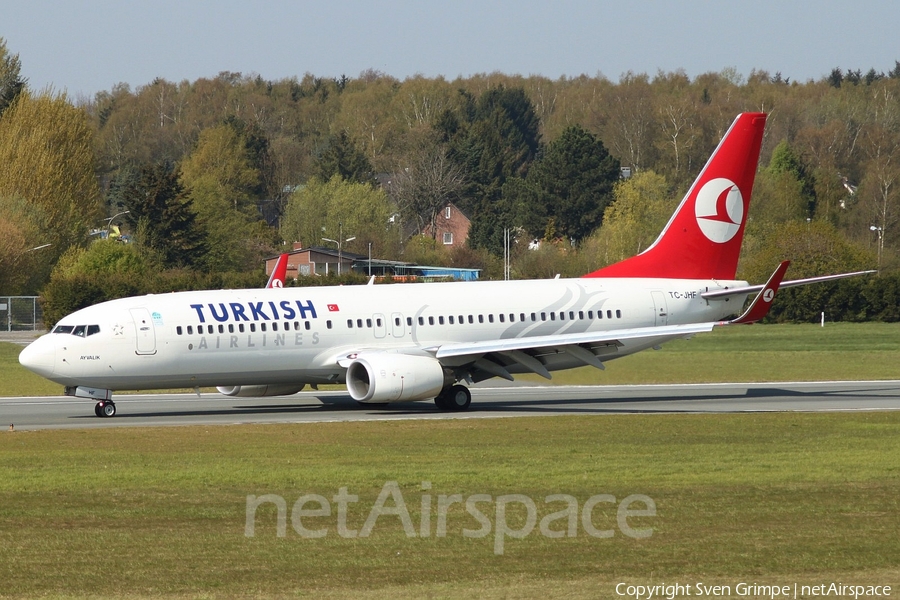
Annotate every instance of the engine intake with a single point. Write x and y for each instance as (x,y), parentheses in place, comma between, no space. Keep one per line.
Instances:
(381,378)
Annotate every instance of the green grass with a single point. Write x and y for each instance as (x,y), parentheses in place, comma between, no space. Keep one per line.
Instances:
(161,512)
(839,351)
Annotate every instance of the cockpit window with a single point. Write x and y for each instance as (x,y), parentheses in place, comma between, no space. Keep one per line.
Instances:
(79,330)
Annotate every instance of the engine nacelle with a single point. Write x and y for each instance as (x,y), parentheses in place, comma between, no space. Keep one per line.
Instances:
(259,391)
(389,377)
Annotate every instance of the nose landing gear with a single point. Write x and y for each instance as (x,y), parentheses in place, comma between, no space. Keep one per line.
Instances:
(105,409)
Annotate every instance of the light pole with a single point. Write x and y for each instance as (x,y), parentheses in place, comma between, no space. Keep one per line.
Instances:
(880,231)
(340,243)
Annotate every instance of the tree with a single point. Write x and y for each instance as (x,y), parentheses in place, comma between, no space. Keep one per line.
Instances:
(575,177)
(222,181)
(163,217)
(340,156)
(493,139)
(423,186)
(21,245)
(11,81)
(47,160)
(641,207)
(328,209)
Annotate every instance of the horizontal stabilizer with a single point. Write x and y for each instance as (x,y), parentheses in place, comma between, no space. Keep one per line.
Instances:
(752,289)
(760,306)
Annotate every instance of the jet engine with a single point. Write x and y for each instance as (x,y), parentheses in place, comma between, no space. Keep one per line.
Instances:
(387,377)
(259,391)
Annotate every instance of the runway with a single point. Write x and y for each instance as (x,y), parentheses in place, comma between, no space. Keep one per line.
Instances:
(490,401)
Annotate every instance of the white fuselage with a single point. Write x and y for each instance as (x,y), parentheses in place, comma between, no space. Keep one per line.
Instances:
(301,335)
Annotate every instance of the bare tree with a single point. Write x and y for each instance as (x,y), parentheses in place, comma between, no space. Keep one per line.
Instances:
(425,185)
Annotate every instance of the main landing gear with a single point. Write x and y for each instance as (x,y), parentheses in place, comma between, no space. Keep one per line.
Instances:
(105,409)
(454,397)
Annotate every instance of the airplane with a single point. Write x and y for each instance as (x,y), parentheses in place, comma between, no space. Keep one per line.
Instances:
(397,343)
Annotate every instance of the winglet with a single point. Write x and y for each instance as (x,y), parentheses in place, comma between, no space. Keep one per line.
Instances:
(276,279)
(760,306)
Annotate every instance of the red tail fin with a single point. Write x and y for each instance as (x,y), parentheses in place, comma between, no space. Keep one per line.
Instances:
(703,238)
(276,279)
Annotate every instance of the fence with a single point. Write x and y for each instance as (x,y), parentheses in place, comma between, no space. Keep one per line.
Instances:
(20,313)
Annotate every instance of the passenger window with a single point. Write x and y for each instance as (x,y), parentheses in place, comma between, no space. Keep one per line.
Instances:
(581,314)
(349,323)
(231,328)
(378,322)
(241,327)
(397,321)
(328,324)
(359,323)
(552,316)
(262,326)
(92,329)
(502,318)
(471,319)
(178,330)
(590,314)
(308,325)
(252,327)
(190,330)
(409,321)
(450,319)
(571,315)
(275,326)
(609,314)
(618,314)
(431,320)
(421,320)
(200,329)
(221,329)
(533,317)
(441,320)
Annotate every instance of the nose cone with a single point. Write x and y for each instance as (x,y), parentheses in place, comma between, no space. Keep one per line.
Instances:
(39,357)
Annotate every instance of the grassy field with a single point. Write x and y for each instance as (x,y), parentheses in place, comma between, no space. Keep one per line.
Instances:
(839,351)
(765,498)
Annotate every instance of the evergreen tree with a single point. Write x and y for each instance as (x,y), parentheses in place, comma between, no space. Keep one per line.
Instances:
(11,82)
(341,156)
(163,217)
(570,185)
(494,138)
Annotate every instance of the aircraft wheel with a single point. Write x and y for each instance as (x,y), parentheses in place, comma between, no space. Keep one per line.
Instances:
(107,409)
(455,397)
(97,408)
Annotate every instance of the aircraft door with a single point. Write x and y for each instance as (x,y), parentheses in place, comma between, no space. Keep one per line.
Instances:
(398,328)
(659,305)
(380,328)
(144,334)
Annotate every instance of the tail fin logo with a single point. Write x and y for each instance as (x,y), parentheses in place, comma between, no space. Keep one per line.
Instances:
(719,209)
